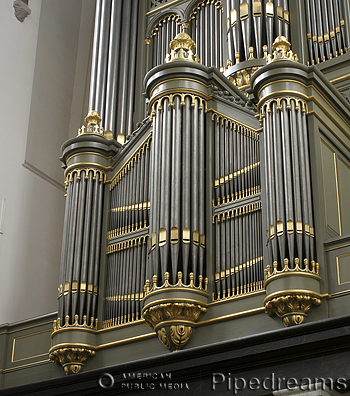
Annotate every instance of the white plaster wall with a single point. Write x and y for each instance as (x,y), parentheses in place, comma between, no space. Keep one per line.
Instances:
(35,121)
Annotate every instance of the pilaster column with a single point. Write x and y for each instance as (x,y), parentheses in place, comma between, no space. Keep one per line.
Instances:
(292,274)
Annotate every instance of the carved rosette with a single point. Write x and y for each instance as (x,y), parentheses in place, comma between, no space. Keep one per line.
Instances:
(173,322)
(291,308)
(71,359)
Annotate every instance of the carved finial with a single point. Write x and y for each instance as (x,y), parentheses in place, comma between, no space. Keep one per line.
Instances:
(182,47)
(281,44)
(92,120)
(281,50)
(93,117)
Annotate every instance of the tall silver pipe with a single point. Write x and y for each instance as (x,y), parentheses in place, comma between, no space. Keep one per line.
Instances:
(87,229)
(186,192)
(288,188)
(271,186)
(102,58)
(165,184)
(113,66)
(176,183)
(65,245)
(296,177)
(95,50)
(305,188)
(194,164)
(279,190)
(201,195)
(123,75)
(70,255)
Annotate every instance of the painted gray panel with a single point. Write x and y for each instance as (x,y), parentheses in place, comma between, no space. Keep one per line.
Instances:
(330,188)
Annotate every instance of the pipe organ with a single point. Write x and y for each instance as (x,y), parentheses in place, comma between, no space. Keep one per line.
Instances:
(211,201)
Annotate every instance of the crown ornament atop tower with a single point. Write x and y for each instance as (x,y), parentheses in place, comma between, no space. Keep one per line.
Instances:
(182,47)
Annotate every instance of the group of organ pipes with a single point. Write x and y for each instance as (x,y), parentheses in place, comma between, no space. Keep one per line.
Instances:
(157,216)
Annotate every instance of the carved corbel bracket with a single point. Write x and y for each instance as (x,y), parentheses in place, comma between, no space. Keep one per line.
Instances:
(72,359)
(291,308)
(173,322)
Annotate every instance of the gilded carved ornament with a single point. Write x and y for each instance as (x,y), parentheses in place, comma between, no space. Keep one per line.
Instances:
(173,322)
(291,308)
(72,359)
(182,47)
(281,51)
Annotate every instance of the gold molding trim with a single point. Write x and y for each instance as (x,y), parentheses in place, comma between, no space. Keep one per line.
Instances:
(126,340)
(24,336)
(88,153)
(15,368)
(341,78)
(163,6)
(179,79)
(236,297)
(230,316)
(338,269)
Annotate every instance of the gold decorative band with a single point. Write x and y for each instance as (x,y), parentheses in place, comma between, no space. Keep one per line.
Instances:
(226,273)
(242,210)
(137,206)
(197,239)
(236,196)
(225,179)
(117,247)
(84,287)
(291,227)
(127,229)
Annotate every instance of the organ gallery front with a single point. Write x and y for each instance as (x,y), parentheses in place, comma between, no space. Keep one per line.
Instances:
(208,204)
